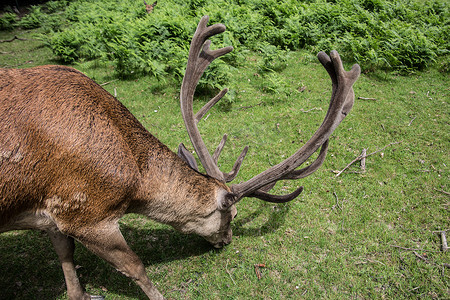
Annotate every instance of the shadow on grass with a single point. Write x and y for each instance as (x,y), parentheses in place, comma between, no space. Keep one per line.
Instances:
(30,268)
(275,220)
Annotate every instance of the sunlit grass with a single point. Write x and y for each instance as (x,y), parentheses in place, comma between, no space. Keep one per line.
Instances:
(335,241)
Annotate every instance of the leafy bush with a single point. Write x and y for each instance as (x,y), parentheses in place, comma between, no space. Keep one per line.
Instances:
(7,21)
(400,35)
(273,59)
(33,19)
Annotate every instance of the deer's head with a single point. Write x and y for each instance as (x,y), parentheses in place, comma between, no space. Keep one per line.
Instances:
(216,228)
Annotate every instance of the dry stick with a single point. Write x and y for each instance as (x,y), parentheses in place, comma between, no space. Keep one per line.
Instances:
(443,240)
(362,98)
(363,159)
(258,271)
(337,201)
(442,191)
(314,108)
(411,121)
(444,265)
(361,156)
(421,257)
(226,268)
(108,82)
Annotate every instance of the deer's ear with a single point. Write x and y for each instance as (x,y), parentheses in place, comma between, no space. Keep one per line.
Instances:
(226,200)
(185,155)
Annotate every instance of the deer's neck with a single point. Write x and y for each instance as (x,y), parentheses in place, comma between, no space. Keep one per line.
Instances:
(171,192)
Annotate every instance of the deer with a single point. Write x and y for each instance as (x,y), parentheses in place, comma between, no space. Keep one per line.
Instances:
(149,7)
(74,160)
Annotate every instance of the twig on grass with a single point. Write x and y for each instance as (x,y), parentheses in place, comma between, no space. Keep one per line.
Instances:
(421,257)
(412,249)
(444,245)
(229,274)
(410,122)
(108,82)
(442,191)
(363,98)
(258,271)
(314,108)
(337,201)
(363,159)
(363,156)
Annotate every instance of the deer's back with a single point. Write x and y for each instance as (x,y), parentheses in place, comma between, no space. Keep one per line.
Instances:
(65,140)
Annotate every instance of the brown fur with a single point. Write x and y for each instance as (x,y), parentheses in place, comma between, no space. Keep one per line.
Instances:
(73,160)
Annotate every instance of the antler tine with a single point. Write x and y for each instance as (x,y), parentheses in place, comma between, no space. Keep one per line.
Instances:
(296,174)
(219,149)
(200,56)
(237,165)
(276,198)
(341,102)
(199,115)
(305,172)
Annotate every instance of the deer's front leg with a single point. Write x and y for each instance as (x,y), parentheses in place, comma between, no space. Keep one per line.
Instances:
(64,247)
(106,241)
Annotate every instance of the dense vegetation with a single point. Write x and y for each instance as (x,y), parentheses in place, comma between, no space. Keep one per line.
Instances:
(366,234)
(402,35)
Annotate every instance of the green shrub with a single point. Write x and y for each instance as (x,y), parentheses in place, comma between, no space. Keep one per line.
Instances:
(33,19)
(7,21)
(402,35)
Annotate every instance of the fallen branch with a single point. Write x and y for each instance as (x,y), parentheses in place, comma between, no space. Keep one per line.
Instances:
(108,82)
(301,89)
(337,201)
(14,38)
(314,108)
(411,121)
(362,98)
(444,245)
(363,156)
(421,257)
(442,191)
(258,271)
(363,160)
(229,274)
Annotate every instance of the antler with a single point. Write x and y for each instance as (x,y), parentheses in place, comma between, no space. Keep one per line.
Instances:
(342,99)
(200,56)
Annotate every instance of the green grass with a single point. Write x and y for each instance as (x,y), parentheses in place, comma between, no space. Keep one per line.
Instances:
(335,241)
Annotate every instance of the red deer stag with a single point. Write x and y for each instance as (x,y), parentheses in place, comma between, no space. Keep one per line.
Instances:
(74,160)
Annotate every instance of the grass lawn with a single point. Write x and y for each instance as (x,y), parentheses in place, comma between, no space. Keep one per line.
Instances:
(360,235)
